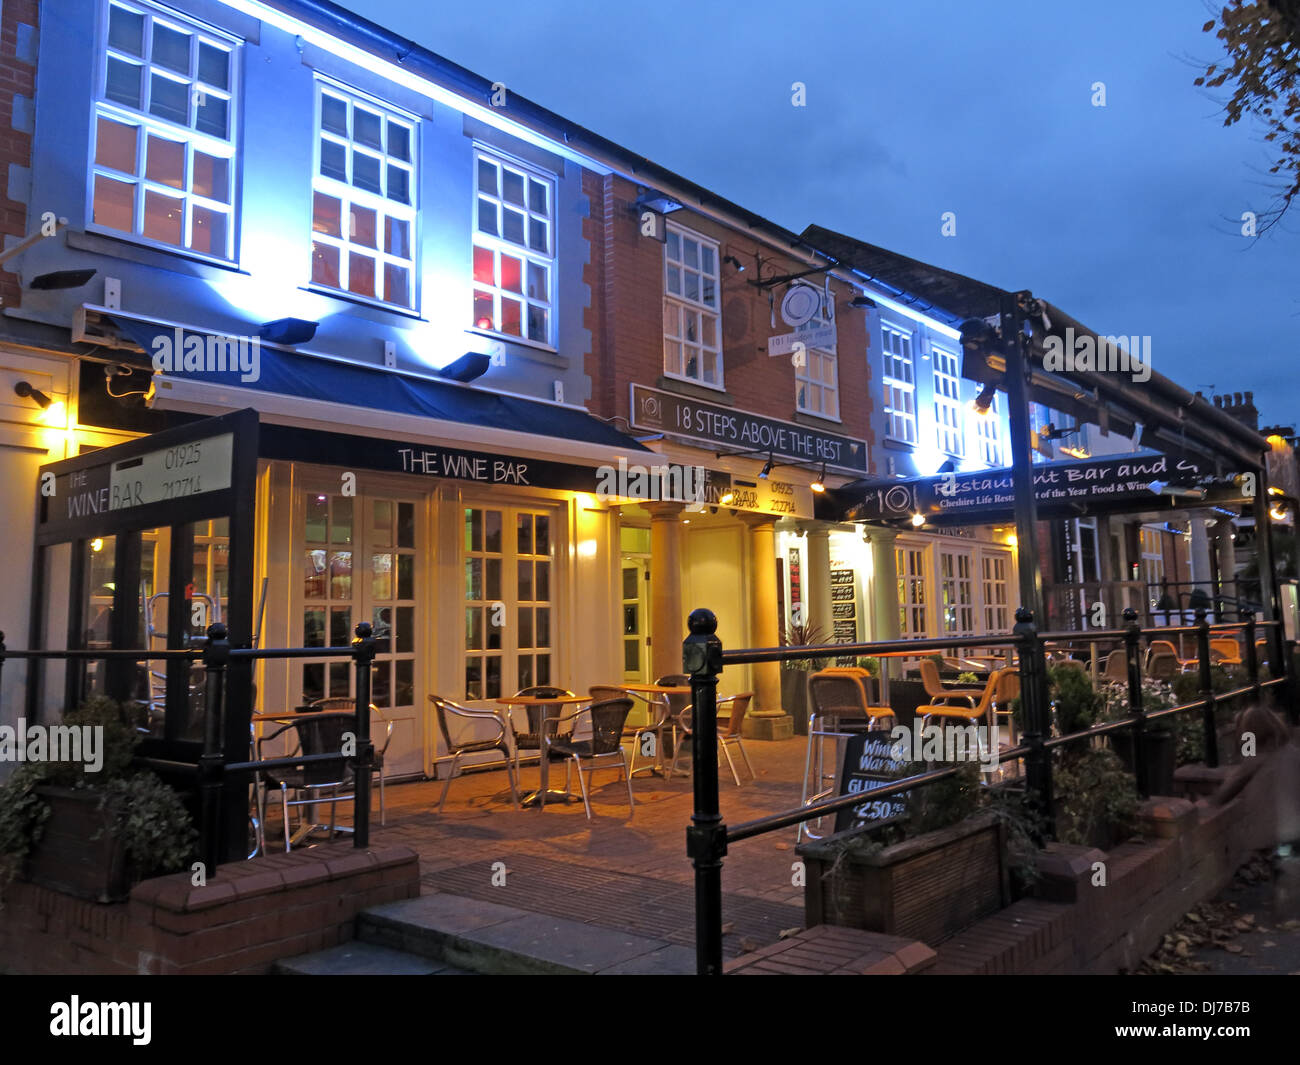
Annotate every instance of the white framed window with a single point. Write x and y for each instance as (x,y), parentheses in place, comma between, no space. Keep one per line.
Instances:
(163,156)
(912,600)
(990,435)
(363,198)
(997,615)
(957,591)
(1153,562)
(947,403)
(899,384)
(514,249)
(817,379)
(692,326)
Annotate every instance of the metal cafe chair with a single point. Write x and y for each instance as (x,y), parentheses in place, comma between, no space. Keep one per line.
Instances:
(1225,651)
(456,750)
(314,784)
(728,733)
(937,692)
(531,740)
(604,748)
(841,705)
(377,766)
(1116,667)
(997,685)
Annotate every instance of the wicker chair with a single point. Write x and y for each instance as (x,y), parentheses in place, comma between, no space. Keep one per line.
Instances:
(315,783)
(604,748)
(377,766)
(937,692)
(531,740)
(1116,667)
(456,751)
(728,733)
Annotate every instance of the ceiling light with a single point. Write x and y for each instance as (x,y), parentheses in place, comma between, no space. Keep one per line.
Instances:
(26,391)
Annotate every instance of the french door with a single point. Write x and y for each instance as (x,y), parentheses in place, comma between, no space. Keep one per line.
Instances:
(509,600)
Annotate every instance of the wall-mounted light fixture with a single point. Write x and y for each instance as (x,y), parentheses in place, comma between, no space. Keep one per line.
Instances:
(732,261)
(918,520)
(767,468)
(727,498)
(24,390)
(983,403)
(862,303)
(288,331)
(819,485)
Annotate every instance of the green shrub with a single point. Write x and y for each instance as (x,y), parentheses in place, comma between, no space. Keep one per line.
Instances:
(1094,796)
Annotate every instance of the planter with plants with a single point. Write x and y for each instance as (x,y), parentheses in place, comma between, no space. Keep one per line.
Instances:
(89,832)
(1167,740)
(954,858)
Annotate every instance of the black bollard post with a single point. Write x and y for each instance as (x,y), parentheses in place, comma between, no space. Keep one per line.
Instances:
(1131,655)
(1033,701)
(1207,689)
(212,763)
(706,838)
(363,654)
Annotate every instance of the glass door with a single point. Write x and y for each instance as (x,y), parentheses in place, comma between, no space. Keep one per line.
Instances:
(635,577)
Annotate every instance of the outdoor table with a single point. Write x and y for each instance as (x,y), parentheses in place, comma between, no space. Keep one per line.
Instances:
(663,691)
(535,798)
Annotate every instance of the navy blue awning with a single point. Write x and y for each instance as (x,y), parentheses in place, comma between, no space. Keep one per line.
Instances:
(309,377)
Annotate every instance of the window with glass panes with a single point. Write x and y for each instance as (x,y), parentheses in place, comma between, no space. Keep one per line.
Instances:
(692,332)
(911,590)
(329,594)
(957,591)
(514,249)
(211,571)
(947,403)
(990,436)
(997,617)
(508,601)
(363,198)
(163,160)
(899,384)
(816,379)
(1153,562)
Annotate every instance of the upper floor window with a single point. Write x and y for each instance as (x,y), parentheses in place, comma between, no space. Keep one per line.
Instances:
(363,198)
(899,385)
(990,437)
(692,334)
(163,158)
(816,378)
(514,250)
(947,402)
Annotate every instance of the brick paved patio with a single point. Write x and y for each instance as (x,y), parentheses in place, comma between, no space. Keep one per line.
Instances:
(630,874)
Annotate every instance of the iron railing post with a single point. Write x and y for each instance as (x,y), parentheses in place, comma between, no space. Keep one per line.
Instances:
(1033,702)
(363,654)
(1252,654)
(216,659)
(2,658)
(706,838)
(1132,634)
(1207,689)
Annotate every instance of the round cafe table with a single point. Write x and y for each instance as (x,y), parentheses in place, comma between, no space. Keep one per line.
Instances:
(534,798)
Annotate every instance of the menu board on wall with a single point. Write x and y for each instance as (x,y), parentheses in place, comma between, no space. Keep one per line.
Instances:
(796,587)
(844,610)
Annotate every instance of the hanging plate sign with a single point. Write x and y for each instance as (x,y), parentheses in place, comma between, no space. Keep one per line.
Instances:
(799,304)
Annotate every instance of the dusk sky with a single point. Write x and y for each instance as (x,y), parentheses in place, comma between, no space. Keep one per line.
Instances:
(1127,216)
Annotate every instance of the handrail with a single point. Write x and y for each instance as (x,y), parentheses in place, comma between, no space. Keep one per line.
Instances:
(703,657)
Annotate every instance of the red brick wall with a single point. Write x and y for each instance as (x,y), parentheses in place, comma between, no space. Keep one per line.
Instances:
(15,146)
(629,269)
(248,916)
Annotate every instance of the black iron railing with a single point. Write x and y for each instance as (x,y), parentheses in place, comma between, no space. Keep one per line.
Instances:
(703,657)
(213,770)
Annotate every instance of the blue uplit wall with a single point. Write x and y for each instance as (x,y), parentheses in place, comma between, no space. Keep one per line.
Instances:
(276,129)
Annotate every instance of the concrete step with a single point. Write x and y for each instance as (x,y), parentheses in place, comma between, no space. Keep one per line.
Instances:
(486,937)
(364,959)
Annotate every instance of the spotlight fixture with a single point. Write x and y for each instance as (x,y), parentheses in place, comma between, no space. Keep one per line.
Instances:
(1013,540)
(819,485)
(727,498)
(1162,488)
(1278,512)
(767,468)
(731,260)
(469,367)
(862,302)
(1076,452)
(983,403)
(918,520)
(62,279)
(24,390)
(1051,432)
(288,331)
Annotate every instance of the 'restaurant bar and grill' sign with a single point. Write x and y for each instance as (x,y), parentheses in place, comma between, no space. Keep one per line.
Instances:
(1113,481)
(667,412)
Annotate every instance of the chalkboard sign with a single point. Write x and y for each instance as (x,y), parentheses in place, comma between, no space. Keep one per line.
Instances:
(870,764)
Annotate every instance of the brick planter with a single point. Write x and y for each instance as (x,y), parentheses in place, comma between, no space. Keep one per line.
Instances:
(925,888)
(79,853)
